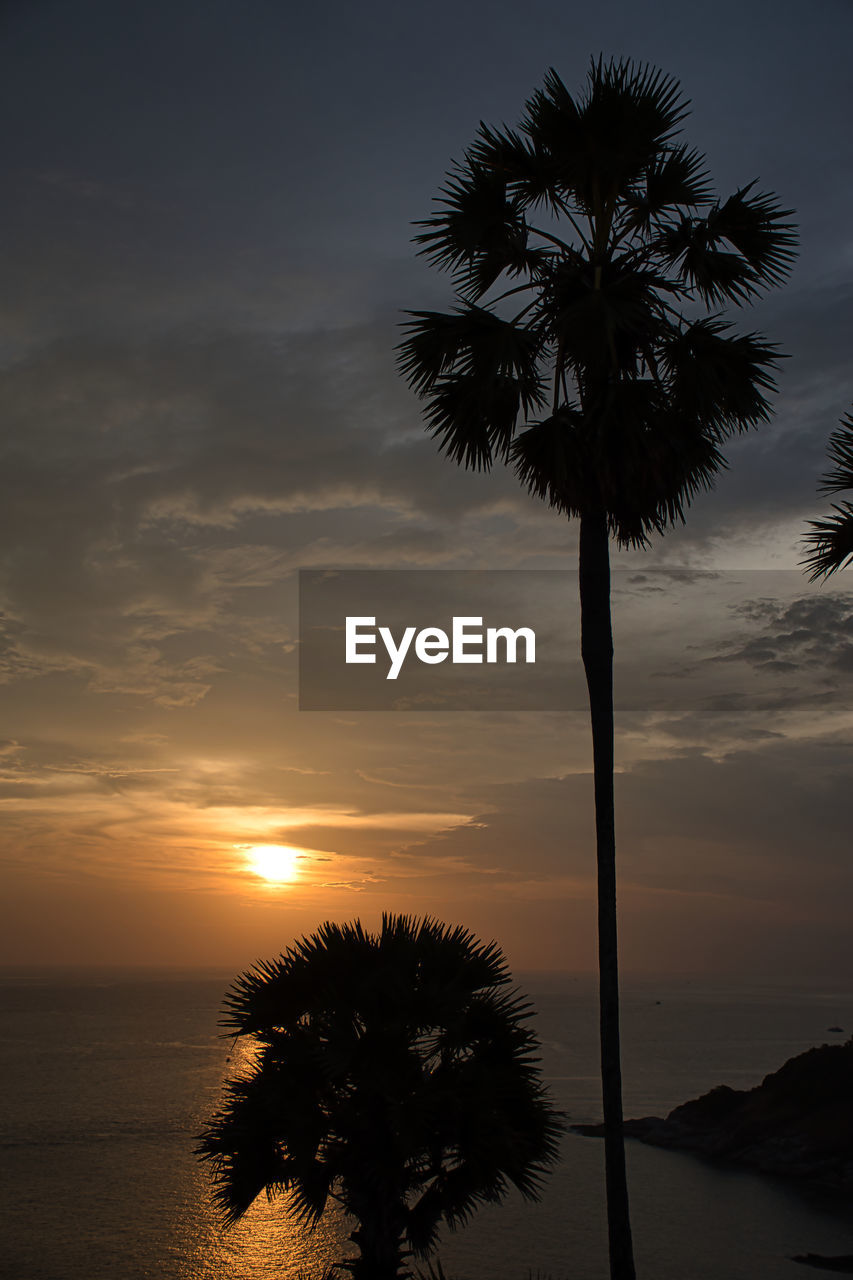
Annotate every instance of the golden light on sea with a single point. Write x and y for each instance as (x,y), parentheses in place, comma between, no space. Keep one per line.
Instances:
(276,863)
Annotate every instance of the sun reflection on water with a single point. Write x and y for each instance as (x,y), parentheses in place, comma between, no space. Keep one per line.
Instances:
(266,1242)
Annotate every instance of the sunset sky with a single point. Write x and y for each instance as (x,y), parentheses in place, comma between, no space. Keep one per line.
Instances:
(205,253)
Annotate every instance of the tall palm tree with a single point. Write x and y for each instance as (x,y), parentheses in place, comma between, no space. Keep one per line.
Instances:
(394,1076)
(590,260)
(831,540)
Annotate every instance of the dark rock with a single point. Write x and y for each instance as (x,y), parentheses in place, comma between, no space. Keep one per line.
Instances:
(841,1262)
(798,1122)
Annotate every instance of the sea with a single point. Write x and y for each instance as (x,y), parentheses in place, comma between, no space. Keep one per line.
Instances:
(107,1078)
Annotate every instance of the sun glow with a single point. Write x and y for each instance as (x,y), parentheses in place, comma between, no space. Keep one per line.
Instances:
(277,863)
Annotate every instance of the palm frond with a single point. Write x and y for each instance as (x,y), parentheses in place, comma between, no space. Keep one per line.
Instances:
(471,340)
(529,172)
(641,470)
(673,179)
(477,372)
(603,318)
(432,345)
(309,1191)
(552,126)
(481,232)
(831,539)
(831,542)
(754,226)
(242,1144)
(472,420)
(550,460)
(840,452)
(715,274)
(605,141)
(739,248)
(630,111)
(718,376)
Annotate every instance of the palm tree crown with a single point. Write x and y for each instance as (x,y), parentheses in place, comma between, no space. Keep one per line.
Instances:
(393,1076)
(831,540)
(608,224)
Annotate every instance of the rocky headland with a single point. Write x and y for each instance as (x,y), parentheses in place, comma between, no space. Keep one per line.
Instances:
(797,1123)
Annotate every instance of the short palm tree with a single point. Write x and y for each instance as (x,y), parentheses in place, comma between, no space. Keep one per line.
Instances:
(831,540)
(590,260)
(394,1076)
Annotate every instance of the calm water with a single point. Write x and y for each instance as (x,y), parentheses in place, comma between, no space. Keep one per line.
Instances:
(106,1081)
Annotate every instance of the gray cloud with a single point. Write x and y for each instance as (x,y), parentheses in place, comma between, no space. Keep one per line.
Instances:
(768,824)
(812,632)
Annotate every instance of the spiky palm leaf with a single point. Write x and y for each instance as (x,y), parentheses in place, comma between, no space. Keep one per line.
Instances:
(394,1074)
(831,539)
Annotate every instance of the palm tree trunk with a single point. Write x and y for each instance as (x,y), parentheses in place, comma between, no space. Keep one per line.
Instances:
(597,653)
(379,1239)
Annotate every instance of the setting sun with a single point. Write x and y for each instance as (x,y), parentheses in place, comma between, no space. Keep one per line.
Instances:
(274,862)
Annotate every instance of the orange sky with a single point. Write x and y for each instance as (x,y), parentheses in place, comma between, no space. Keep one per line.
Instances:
(206,256)
(130,818)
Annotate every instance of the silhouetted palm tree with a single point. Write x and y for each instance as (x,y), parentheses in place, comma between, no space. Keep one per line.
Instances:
(625,379)
(831,540)
(394,1077)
